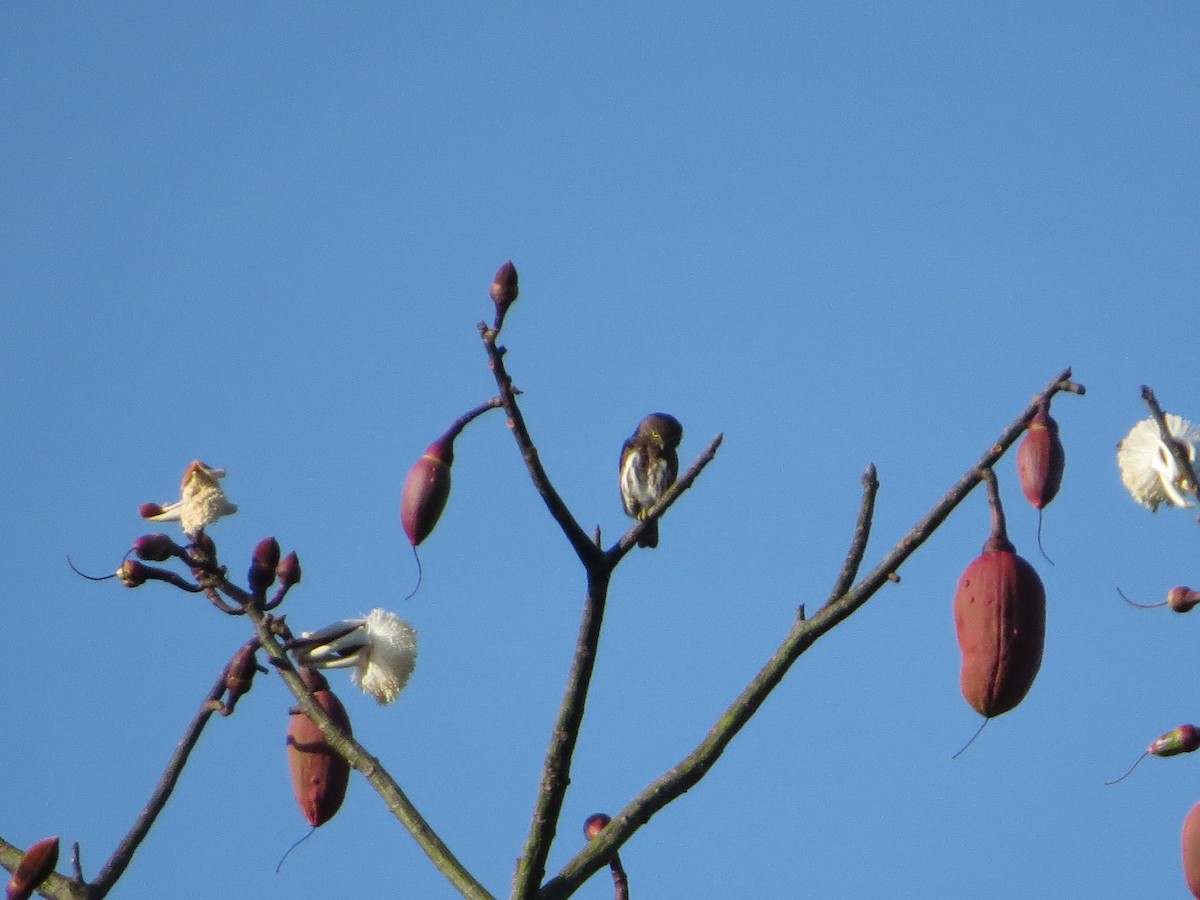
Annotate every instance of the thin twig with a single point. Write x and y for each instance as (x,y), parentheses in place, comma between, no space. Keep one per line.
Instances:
(587,552)
(862,533)
(802,635)
(116,865)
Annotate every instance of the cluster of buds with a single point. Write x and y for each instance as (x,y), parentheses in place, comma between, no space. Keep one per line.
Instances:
(266,567)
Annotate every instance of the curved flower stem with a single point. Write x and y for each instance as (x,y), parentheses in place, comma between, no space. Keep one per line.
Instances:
(802,635)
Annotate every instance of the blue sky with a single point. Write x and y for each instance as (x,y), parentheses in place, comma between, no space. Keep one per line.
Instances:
(837,233)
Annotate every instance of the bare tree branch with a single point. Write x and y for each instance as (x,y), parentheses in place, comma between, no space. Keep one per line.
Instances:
(803,634)
(862,534)
(587,552)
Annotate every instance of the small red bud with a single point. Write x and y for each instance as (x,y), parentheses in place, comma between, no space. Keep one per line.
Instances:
(426,490)
(133,574)
(149,510)
(239,674)
(319,775)
(504,285)
(1184,739)
(155,547)
(204,544)
(1182,599)
(288,571)
(1041,460)
(35,867)
(594,824)
(263,565)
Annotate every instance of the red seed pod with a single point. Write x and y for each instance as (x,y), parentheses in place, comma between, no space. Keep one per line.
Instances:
(1191,850)
(594,824)
(34,868)
(319,776)
(149,510)
(1040,459)
(262,566)
(426,489)
(1000,619)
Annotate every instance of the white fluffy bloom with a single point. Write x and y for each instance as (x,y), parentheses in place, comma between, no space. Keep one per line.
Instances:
(201,501)
(382,648)
(1148,468)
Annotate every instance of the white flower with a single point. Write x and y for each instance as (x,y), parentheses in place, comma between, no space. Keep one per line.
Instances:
(382,648)
(201,501)
(1148,468)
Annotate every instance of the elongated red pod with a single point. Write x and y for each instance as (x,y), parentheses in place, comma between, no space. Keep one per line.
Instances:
(1191,850)
(319,776)
(1000,619)
(1041,460)
(426,490)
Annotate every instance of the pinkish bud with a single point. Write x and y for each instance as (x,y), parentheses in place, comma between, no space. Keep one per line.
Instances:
(133,574)
(34,868)
(155,547)
(426,490)
(319,775)
(1184,739)
(239,674)
(288,571)
(504,286)
(262,566)
(594,824)
(1182,599)
(149,510)
(1041,460)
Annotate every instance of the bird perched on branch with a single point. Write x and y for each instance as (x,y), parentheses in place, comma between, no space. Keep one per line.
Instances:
(649,465)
